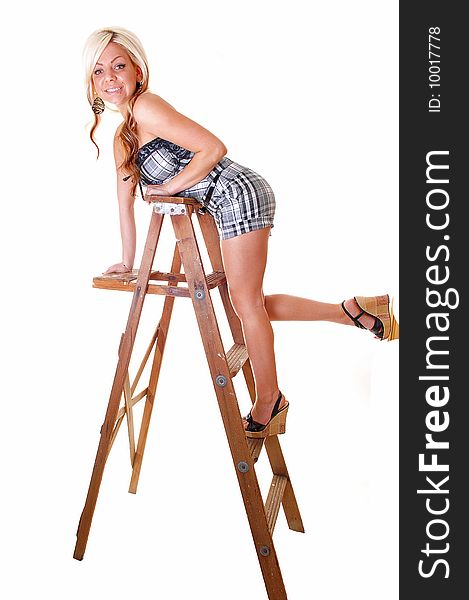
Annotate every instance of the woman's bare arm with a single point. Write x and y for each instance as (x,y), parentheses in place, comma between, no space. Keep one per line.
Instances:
(156,118)
(126,214)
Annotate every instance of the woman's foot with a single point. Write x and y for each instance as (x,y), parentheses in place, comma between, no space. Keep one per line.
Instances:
(372,313)
(267,417)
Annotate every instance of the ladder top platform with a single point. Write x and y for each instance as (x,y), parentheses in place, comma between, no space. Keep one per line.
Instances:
(169,199)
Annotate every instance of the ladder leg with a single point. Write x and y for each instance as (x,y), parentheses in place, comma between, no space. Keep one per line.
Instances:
(229,409)
(154,376)
(117,386)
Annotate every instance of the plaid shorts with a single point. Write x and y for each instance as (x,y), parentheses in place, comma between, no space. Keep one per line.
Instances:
(237,197)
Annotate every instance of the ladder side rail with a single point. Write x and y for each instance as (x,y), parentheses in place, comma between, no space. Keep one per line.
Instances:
(118,383)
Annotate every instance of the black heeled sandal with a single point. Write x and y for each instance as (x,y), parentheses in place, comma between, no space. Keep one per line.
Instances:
(275,425)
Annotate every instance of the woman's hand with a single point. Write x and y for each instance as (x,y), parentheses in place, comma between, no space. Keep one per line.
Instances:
(157,190)
(118,268)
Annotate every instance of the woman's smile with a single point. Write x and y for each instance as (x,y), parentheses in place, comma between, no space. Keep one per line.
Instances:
(114,90)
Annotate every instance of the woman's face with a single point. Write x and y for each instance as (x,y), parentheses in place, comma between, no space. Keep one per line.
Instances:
(115,76)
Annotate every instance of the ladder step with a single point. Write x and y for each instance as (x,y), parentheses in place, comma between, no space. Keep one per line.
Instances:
(215,279)
(274,499)
(236,356)
(125,282)
(255,447)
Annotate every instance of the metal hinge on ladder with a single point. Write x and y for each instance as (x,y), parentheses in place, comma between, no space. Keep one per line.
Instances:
(169,208)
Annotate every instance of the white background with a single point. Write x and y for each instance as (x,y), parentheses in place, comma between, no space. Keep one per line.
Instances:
(306,94)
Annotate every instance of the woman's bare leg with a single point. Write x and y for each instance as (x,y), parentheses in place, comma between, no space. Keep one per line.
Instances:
(244,259)
(282,307)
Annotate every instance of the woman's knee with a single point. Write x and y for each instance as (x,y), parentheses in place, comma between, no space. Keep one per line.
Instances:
(245,303)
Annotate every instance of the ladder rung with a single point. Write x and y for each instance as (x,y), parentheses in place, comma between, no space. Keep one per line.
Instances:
(274,499)
(215,279)
(255,447)
(236,356)
(128,285)
(132,276)
(161,276)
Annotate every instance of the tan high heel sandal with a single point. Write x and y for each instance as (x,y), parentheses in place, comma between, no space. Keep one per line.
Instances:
(386,326)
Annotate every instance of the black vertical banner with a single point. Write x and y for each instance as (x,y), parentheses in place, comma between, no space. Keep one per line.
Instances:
(434,235)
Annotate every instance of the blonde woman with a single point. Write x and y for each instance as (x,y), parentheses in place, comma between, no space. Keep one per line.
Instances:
(157,145)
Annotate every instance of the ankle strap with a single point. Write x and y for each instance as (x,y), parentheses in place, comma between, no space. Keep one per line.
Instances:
(354,319)
(277,403)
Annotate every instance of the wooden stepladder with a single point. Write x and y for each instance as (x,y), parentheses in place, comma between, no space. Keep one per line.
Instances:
(223,367)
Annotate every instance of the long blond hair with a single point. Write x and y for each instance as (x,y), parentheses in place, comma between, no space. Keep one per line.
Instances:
(93,49)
